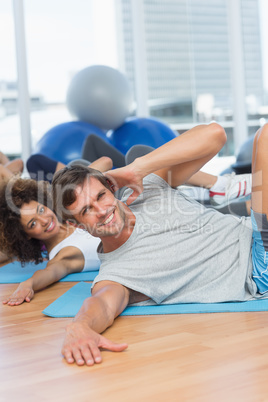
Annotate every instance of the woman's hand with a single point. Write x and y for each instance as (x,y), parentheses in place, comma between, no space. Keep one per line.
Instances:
(21,294)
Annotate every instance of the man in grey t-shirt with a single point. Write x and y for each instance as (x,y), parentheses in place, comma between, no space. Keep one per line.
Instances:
(164,247)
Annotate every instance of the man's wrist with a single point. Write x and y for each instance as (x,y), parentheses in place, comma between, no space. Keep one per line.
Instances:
(141,167)
(80,321)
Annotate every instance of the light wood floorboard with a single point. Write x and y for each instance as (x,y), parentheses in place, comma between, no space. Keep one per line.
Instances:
(194,357)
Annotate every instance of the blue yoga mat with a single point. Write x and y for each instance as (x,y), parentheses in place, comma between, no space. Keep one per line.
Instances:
(70,302)
(15,273)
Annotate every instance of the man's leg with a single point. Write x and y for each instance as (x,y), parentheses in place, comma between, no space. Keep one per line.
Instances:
(259,205)
(259,199)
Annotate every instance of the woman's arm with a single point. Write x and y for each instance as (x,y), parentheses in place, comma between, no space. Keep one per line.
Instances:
(4,258)
(67,261)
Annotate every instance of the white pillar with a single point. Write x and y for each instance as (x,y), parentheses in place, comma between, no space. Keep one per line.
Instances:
(140,64)
(119,36)
(23,93)
(237,72)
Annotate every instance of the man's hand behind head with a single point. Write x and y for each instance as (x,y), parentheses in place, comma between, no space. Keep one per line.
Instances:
(127,176)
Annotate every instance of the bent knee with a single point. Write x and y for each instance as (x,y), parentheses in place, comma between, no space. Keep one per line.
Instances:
(261,137)
(219,134)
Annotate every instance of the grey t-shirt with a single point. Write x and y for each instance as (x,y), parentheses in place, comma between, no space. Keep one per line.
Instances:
(180,251)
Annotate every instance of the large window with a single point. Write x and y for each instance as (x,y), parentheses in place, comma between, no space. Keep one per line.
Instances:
(10,142)
(62,37)
(189,61)
(187,52)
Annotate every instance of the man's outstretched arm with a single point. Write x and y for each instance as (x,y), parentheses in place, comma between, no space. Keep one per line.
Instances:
(83,341)
(176,161)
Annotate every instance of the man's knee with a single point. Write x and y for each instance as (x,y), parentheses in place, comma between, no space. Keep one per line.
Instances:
(261,138)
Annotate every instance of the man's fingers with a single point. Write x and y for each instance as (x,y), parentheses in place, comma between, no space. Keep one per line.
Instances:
(134,195)
(88,355)
(82,354)
(67,354)
(95,353)
(112,183)
(78,357)
(114,347)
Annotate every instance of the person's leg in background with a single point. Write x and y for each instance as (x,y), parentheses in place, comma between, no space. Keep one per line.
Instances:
(137,151)
(15,166)
(40,167)
(3,159)
(102,164)
(95,147)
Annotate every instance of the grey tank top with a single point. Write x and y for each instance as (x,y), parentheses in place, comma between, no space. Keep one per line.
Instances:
(181,251)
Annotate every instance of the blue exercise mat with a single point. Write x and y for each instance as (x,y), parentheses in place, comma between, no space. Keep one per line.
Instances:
(15,273)
(70,302)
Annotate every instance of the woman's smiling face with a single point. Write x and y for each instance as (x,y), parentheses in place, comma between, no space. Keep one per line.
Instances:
(38,221)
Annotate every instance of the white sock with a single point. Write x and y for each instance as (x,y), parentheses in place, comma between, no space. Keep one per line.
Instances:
(220,184)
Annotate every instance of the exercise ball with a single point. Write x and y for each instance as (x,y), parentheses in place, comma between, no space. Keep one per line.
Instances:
(100,95)
(64,142)
(145,131)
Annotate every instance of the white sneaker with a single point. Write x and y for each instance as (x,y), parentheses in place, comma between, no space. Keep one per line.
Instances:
(237,187)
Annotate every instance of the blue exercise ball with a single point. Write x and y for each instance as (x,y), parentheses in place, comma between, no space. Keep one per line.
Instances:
(144,131)
(100,95)
(64,142)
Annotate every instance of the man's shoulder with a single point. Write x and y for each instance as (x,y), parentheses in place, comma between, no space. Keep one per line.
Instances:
(154,179)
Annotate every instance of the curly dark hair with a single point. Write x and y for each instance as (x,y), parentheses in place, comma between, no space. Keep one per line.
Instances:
(13,239)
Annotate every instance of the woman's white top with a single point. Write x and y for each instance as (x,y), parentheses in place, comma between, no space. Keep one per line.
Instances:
(86,243)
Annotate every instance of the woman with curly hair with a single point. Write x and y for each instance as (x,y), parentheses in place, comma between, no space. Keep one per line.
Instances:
(30,231)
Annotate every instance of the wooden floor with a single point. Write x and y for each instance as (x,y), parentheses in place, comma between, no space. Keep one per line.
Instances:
(195,357)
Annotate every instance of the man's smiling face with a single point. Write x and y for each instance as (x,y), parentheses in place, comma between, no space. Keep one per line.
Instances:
(97,209)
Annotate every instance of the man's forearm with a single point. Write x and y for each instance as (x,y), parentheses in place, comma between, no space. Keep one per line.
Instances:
(95,315)
(195,144)
(83,341)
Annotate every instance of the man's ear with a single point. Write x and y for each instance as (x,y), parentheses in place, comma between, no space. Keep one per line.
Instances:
(111,185)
